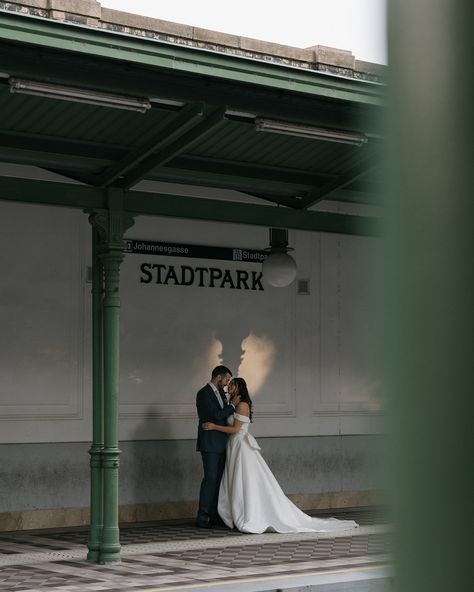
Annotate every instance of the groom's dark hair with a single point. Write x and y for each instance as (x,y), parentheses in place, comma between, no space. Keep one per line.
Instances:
(220,370)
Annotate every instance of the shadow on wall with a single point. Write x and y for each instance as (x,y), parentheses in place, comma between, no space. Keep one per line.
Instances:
(163,470)
(251,357)
(158,471)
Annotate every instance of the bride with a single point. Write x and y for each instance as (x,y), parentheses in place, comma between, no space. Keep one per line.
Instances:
(250,497)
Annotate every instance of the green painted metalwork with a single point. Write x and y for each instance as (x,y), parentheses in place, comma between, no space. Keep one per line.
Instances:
(346,178)
(96,450)
(191,137)
(177,127)
(239,213)
(149,204)
(49,193)
(244,170)
(112,45)
(110,226)
(57,149)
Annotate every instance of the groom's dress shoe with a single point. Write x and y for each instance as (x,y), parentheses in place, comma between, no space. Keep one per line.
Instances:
(203,524)
(218,522)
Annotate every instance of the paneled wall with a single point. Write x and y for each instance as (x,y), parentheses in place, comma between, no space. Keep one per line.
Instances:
(44,390)
(309,358)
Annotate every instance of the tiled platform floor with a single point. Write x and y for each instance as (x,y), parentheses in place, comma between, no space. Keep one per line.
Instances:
(173,556)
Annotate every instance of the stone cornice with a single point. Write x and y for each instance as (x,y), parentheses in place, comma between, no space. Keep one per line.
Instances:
(90,13)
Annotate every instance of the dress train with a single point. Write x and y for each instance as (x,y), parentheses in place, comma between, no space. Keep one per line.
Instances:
(250,498)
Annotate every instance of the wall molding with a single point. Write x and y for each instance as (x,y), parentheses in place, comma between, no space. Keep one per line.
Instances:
(73,408)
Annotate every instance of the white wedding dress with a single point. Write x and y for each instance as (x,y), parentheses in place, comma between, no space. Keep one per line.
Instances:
(250,498)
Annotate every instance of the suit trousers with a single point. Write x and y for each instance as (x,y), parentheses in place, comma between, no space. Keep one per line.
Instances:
(213,464)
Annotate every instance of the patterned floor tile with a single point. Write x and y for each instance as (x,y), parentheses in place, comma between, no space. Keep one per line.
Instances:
(176,555)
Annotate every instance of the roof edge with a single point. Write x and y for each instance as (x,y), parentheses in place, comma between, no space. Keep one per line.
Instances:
(90,13)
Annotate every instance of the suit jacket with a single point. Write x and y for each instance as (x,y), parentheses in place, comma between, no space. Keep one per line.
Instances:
(208,409)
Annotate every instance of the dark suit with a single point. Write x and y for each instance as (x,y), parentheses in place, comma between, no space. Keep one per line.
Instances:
(212,445)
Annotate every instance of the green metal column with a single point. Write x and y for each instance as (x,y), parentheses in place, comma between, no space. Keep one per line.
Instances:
(109,545)
(429,299)
(96,496)
(111,225)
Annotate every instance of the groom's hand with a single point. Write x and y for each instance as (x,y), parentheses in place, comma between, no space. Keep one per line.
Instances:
(235,400)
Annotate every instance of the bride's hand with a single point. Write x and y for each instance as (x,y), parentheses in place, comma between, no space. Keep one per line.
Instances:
(208,425)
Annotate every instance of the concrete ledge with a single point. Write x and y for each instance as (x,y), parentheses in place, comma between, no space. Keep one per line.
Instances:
(275,49)
(89,8)
(42,4)
(331,56)
(215,37)
(89,12)
(65,517)
(144,23)
(370,68)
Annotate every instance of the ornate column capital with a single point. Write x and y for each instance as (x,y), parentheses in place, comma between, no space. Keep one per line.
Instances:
(111,226)
(111,223)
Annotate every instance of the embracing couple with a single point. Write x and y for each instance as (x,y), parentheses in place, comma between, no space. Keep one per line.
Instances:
(238,489)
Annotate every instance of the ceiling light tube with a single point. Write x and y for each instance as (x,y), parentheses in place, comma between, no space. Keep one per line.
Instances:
(167,102)
(306,131)
(78,95)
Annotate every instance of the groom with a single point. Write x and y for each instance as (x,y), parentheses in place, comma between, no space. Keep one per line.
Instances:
(212,406)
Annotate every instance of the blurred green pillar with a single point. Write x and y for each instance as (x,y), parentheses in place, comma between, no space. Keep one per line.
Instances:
(429,299)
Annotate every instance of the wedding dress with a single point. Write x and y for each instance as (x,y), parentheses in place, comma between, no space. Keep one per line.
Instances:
(250,498)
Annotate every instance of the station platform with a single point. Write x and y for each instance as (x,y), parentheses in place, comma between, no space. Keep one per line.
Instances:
(175,556)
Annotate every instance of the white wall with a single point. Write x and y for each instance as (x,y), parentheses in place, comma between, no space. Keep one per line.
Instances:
(309,359)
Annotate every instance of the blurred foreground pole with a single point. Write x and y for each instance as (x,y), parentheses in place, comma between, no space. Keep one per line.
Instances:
(429,296)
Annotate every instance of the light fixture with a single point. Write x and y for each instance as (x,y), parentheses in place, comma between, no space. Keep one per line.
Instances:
(307,131)
(279,268)
(167,102)
(78,95)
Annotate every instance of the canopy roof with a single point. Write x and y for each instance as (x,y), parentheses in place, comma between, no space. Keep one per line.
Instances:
(186,107)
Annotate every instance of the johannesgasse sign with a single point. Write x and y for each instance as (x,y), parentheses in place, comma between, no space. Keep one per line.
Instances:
(197,275)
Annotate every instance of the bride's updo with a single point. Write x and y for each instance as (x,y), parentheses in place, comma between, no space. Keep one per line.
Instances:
(243,392)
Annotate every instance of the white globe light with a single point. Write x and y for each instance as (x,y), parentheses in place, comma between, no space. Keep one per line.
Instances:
(279,270)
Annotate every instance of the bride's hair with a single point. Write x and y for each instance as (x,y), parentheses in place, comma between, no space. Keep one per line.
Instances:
(243,392)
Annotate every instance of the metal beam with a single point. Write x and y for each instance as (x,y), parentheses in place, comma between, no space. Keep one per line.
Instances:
(176,128)
(117,77)
(288,202)
(346,178)
(150,204)
(59,146)
(51,193)
(262,189)
(246,170)
(197,133)
(239,213)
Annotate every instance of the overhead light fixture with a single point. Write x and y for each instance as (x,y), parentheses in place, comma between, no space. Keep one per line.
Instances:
(78,95)
(306,131)
(279,268)
(232,113)
(167,102)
